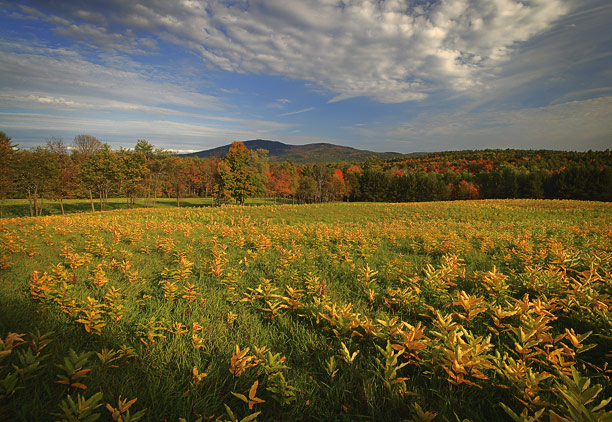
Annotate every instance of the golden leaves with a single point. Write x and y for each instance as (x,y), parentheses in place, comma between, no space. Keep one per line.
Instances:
(240,361)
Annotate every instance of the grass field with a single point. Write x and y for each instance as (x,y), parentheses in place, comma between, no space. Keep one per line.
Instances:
(451,311)
(20,208)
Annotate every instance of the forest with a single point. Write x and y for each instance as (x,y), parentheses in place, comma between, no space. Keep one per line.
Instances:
(91,169)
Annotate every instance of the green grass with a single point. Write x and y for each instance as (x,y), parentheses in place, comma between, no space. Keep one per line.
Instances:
(20,207)
(420,257)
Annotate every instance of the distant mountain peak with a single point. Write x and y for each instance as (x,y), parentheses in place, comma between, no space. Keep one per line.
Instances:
(300,154)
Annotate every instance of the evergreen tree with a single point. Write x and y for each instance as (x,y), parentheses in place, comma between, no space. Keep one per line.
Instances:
(7,171)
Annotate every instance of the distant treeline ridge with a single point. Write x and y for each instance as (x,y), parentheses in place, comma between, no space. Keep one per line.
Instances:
(91,169)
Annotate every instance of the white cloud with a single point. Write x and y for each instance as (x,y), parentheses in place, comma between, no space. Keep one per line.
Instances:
(304,110)
(39,72)
(101,37)
(391,51)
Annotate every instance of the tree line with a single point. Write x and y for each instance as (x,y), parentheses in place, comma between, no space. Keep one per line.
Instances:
(91,169)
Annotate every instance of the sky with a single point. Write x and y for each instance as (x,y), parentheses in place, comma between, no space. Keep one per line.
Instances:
(383,75)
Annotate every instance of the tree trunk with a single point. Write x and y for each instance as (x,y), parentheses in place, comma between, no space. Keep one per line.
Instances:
(178,195)
(41,207)
(36,203)
(30,203)
(101,202)
(93,209)
(148,197)
(62,205)
(155,191)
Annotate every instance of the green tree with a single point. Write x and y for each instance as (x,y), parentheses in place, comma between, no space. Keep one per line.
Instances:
(134,173)
(374,185)
(158,165)
(144,147)
(307,189)
(146,152)
(64,178)
(260,170)
(35,172)
(101,172)
(83,147)
(7,171)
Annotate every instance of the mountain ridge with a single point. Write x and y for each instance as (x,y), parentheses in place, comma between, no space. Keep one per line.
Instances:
(300,154)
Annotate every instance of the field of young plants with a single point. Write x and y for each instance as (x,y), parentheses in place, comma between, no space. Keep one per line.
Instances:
(481,311)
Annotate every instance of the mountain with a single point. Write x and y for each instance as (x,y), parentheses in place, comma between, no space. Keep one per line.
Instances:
(300,154)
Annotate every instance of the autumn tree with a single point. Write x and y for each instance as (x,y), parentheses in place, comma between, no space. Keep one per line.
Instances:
(281,182)
(209,170)
(196,168)
(466,190)
(334,187)
(178,177)
(236,173)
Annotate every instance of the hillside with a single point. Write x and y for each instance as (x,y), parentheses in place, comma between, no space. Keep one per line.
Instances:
(301,154)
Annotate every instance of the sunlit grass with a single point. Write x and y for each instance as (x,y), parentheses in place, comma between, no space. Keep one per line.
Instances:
(317,312)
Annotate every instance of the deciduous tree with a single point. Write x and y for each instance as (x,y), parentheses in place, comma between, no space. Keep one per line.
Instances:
(35,170)
(101,172)
(86,144)
(236,174)
(64,178)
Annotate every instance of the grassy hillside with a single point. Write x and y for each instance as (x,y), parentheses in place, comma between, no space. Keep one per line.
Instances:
(301,154)
(312,312)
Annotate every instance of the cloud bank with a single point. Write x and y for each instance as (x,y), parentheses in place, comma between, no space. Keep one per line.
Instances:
(390,51)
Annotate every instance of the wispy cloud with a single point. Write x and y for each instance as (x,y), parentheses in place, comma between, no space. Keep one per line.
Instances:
(291,113)
(575,125)
(124,132)
(192,74)
(389,51)
(30,72)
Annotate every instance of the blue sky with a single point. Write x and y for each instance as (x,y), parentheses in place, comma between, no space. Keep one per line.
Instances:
(402,76)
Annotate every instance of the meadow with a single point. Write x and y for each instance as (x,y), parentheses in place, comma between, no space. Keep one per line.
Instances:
(13,208)
(448,311)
